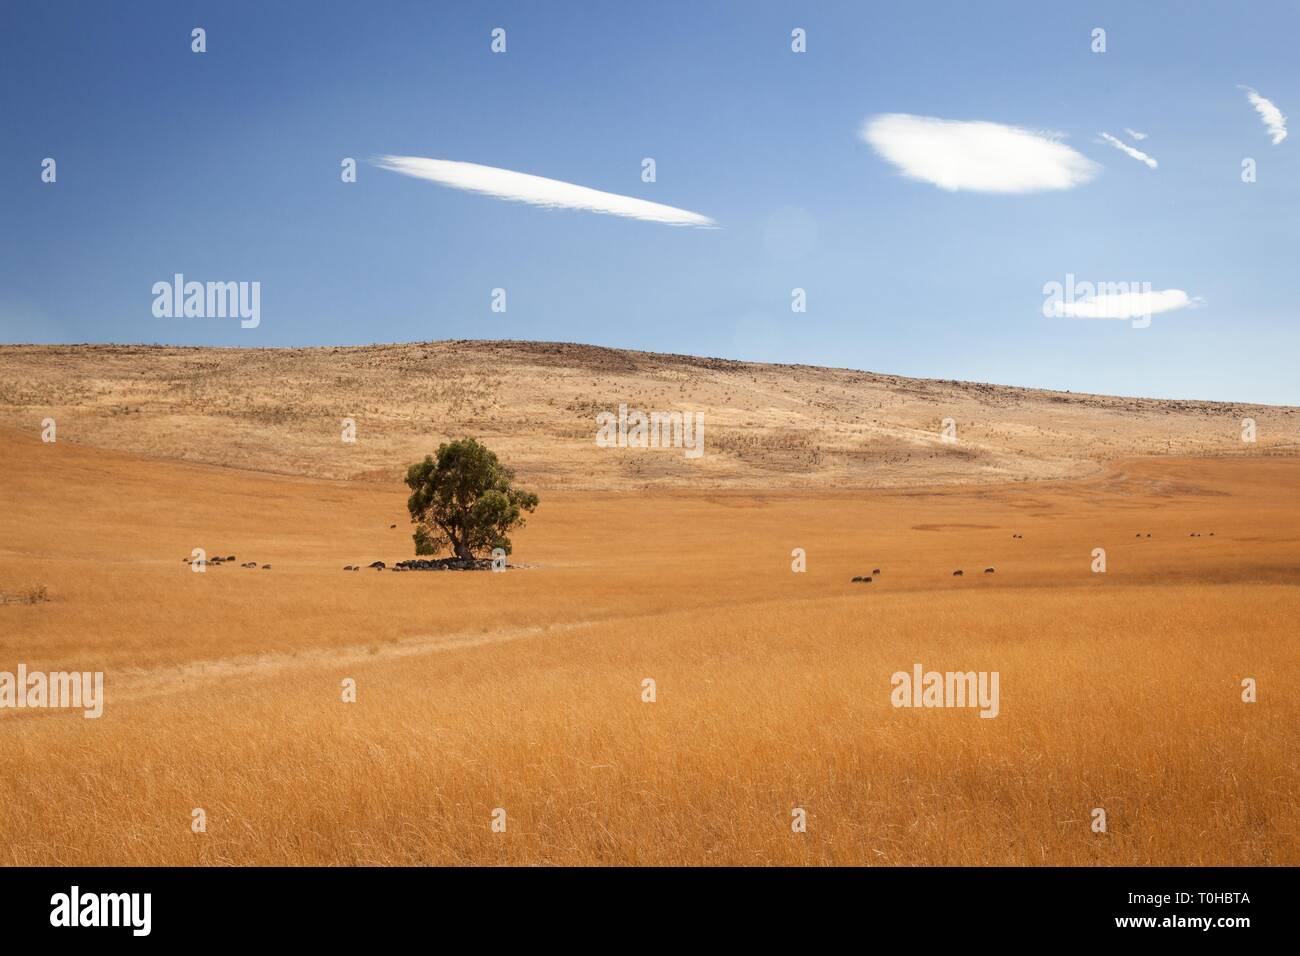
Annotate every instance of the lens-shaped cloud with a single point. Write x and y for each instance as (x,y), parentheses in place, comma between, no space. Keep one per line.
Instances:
(1124,305)
(976,155)
(537,190)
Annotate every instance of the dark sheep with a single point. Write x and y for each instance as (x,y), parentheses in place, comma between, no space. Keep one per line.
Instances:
(266,567)
(958,573)
(856,580)
(988,570)
(876,571)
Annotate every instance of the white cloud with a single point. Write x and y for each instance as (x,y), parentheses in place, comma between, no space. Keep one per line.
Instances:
(976,155)
(1270,114)
(1134,134)
(1123,305)
(536,190)
(1137,154)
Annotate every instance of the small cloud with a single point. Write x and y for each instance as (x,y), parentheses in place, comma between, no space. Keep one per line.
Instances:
(1270,114)
(976,155)
(1134,134)
(1123,147)
(536,190)
(1124,305)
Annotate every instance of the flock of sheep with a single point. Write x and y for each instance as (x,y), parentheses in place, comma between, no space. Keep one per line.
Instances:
(218,561)
(437,565)
(867,578)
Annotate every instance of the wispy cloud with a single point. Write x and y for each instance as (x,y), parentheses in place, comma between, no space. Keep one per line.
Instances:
(976,155)
(1270,114)
(1124,305)
(537,190)
(1123,147)
(1134,134)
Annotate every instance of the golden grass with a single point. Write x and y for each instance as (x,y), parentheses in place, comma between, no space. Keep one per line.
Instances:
(523,690)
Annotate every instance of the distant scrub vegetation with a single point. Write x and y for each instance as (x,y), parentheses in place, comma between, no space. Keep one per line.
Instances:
(34,594)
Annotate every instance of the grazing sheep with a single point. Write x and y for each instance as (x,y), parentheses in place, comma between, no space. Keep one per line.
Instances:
(266,567)
(988,570)
(958,573)
(866,580)
(856,580)
(231,558)
(347,567)
(876,571)
(391,527)
(378,565)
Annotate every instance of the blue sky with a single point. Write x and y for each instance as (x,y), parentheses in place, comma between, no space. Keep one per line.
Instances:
(225,166)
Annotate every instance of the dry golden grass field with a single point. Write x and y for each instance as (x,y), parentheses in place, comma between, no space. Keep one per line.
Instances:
(523,690)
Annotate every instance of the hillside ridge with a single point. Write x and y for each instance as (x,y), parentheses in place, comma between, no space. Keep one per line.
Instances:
(283,410)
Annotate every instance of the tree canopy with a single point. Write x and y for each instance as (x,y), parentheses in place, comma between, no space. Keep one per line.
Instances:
(463,500)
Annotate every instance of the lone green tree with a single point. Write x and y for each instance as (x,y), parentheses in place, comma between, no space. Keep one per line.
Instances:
(462,500)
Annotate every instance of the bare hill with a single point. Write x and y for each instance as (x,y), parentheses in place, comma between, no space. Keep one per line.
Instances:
(282,410)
